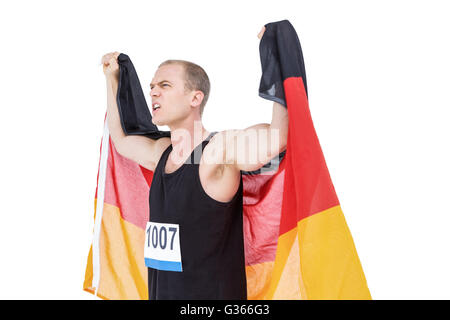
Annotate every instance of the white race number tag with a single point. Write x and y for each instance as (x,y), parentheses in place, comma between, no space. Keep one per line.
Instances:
(162,246)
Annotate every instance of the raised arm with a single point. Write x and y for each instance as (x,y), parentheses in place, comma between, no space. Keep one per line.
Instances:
(140,149)
(251,148)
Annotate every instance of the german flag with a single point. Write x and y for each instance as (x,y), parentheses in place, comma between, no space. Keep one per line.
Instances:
(297,242)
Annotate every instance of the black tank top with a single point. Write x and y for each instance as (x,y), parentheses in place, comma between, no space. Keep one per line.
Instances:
(211,235)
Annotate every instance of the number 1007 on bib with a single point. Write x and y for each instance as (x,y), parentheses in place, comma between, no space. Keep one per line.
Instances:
(162,246)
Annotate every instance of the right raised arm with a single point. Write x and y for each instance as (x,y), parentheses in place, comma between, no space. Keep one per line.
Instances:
(145,151)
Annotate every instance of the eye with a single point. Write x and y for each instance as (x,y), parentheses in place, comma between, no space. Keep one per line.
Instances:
(165,84)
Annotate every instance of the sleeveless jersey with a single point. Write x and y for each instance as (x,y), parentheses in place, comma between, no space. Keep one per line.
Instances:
(210,235)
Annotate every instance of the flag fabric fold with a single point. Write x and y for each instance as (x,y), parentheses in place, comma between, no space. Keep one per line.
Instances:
(297,242)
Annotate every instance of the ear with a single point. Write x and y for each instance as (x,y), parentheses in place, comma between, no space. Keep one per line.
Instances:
(197,98)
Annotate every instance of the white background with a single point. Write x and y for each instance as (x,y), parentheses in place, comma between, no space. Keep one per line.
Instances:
(378,80)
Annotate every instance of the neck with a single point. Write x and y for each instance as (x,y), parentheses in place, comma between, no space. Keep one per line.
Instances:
(185,136)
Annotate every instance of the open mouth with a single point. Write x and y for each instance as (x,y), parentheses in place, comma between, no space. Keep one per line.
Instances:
(156,107)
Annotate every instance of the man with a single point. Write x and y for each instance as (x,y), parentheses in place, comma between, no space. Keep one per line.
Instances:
(198,201)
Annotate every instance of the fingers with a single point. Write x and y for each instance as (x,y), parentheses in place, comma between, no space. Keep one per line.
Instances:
(106,59)
(260,34)
(112,61)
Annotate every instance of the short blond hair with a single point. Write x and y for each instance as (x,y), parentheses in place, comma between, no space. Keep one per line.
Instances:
(195,78)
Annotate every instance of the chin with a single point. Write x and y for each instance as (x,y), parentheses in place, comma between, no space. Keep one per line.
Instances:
(156,122)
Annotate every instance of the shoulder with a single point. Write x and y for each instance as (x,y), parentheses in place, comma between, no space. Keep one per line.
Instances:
(161,145)
(155,152)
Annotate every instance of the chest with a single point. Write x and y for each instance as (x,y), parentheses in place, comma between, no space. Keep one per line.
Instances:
(215,182)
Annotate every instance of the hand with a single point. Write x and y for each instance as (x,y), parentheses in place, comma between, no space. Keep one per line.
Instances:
(260,34)
(110,65)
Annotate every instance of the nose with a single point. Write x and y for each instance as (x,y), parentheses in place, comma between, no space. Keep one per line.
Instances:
(154,92)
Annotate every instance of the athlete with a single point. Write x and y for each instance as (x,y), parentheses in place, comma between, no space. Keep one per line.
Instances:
(196,190)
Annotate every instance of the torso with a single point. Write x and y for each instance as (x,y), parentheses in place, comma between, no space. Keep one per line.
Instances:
(210,230)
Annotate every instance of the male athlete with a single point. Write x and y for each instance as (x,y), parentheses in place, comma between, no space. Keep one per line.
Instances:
(197,202)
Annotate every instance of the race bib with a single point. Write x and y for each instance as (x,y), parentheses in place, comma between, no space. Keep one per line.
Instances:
(162,246)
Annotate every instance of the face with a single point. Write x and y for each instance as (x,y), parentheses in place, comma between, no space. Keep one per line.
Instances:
(167,89)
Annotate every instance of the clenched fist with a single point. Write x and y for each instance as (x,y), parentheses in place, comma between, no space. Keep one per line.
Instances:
(110,65)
